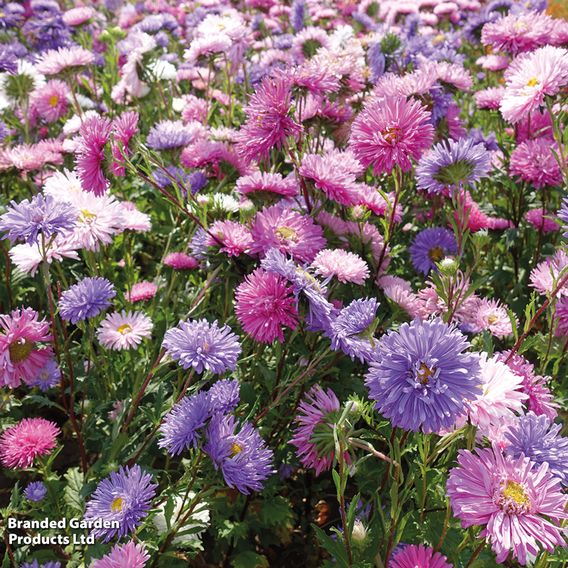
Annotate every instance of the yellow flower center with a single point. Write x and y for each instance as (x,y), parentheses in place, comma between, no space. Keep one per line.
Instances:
(492,319)
(424,373)
(235,449)
(515,496)
(391,134)
(286,233)
(53,100)
(116,505)
(124,328)
(87,215)
(436,254)
(20,350)
(533,82)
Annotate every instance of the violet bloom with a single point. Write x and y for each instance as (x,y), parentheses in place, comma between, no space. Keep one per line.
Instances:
(539,439)
(518,502)
(43,215)
(203,346)
(243,456)
(86,299)
(421,376)
(431,246)
(169,134)
(452,164)
(35,491)
(224,396)
(124,496)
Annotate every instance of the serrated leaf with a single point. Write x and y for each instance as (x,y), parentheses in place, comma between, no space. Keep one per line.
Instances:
(72,493)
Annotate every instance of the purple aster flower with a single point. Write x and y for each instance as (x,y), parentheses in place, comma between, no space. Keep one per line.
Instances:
(431,246)
(42,215)
(421,375)
(352,329)
(197,180)
(35,491)
(8,59)
(11,15)
(297,14)
(36,564)
(203,346)
(451,164)
(86,299)
(376,60)
(47,31)
(224,396)
(181,177)
(243,457)
(169,134)
(563,216)
(199,244)
(537,438)
(181,426)
(48,377)
(4,132)
(124,496)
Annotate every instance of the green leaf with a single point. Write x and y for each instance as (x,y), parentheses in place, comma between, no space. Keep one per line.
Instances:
(250,559)
(72,494)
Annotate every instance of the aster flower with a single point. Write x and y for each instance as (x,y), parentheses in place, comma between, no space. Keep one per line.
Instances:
(269,122)
(390,132)
(243,456)
(344,265)
(431,246)
(352,329)
(492,316)
(546,275)
(518,503)
(124,127)
(421,375)
(86,299)
(50,101)
(224,396)
(418,556)
(203,346)
(36,564)
(31,438)
(265,183)
(451,164)
(90,155)
(42,215)
(56,61)
(180,261)
(130,554)
(21,358)
(169,134)
(288,231)
(317,412)
(125,497)
(35,491)
(264,304)
(489,98)
(48,376)
(534,162)
(124,330)
(141,291)
(231,237)
(181,426)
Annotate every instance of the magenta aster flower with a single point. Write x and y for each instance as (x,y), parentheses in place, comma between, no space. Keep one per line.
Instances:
(21,358)
(124,330)
(489,98)
(267,183)
(124,128)
(231,237)
(264,304)
(390,132)
(418,556)
(142,291)
(130,554)
(181,261)
(344,265)
(317,411)
(27,440)
(534,162)
(542,220)
(50,101)
(288,231)
(519,503)
(95,133)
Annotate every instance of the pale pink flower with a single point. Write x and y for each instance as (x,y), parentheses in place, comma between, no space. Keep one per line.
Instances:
(345,266)
(124,330)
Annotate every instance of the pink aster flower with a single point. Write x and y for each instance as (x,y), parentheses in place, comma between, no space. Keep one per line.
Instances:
(50,100)
(124,128)
(21,358)
(561,317)
(55,61)
(124,330)
(265,182)
(231,237)
(181,261)
(288,231)
(264,303)
(545,276)
(131,555)
(530,78)
(314,413)
(391,131)
(95,133)
(418,556)
(142,291)
(542,220)
(489,98)
(534,162)
(27,440)
(78,16)
(345,266)
(519,503)
(400,292)
(493,317)
(334,173)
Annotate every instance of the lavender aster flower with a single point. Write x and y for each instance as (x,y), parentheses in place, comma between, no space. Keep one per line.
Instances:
(42,215)
(197,180)
(36,564)
(224,396)
(420,375)
(35,491)
(169,134)
(243,456)
(203,346)
(452,163)
(297,14)
(124,496)
(563,216)
(539,439)
(86,299)
(376,60)
(352,330)
(180,429)
(430,246)
(48,377)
